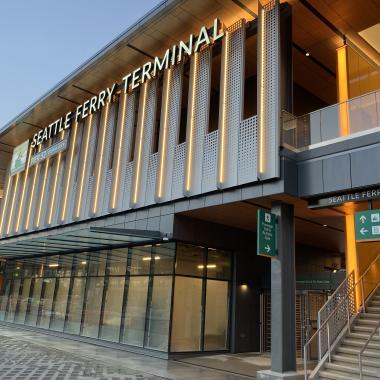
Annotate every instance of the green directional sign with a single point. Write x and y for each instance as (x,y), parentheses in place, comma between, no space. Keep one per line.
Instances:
(367,225)
(266,233)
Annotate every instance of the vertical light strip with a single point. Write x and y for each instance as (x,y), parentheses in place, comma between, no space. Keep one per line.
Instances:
(5,203)
(163,147)
(32,194)
(140,147)
(69,171)
(262,93)
(116,173)
(100,166)
(38,220)
(21,203)
(55,183)
(13,203)
(343,95)
(83,172)
(190,141)
(222,152)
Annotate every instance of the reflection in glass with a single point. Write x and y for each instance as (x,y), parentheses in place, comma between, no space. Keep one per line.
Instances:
(134,324)
(13,298)
(140,260)
(96,263)
(117,264)
(218,264)
(75,306)
(163,256)
(112,309)
(80,262)
(94,298)
(47,302)
(158,315)
(24,299)
(4,299)
(31,317)
(216,320)
(187,312)
(60,305)
(190,260)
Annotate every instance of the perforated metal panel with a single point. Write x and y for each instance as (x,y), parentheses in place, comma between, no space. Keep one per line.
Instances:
(106,192)
(268,66)
(210,162)
(143,145)
(151,179)
(170,119)
(58,196)
(127,185)
(178,171)
(231,104)
(197,120)
(247,159)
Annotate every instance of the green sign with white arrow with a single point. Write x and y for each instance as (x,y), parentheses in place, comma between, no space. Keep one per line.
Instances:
(367,225)
(266,233)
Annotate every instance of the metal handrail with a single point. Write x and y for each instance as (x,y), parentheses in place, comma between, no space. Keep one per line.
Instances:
(326,322)
(365,347)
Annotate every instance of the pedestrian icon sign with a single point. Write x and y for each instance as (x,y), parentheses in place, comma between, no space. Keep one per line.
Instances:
(266,233)
(367,225)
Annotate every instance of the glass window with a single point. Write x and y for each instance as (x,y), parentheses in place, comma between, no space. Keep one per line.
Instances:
(52,266)
(94,298)
(140,260)
(47,302)
(134,324)
(96,263)
(117,263)
(31,318)
(65,265)
(218,264)
(187,314)
(216,319)
(190,260)
(24,300)
(13,298)
(4,299)
(75,306)
(80,262)
(112,309)
(60,305)
(163,256)
(158,315)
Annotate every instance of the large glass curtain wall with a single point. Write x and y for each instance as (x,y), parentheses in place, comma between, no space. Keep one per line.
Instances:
(126,296)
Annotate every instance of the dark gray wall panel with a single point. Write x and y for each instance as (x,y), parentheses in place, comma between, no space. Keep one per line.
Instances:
(310,179)
(337,173)
(365,167)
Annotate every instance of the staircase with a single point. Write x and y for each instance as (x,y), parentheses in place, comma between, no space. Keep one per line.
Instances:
(344,363)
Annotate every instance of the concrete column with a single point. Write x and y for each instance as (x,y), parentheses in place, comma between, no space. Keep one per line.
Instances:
(283,294)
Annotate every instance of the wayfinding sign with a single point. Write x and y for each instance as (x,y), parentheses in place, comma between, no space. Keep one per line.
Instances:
(367,225)
(266,233)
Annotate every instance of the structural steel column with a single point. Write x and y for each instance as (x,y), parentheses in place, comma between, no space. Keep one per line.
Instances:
(283,299)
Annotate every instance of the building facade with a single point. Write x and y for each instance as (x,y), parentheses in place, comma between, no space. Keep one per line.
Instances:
(130,191)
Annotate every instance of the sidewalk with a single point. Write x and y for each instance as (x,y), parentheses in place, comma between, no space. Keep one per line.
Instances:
(34,356)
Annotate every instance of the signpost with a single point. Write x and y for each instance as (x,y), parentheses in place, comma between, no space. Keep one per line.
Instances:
(367,225)
(266,233)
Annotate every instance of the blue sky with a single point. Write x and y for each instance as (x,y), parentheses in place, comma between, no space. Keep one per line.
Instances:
(42,41)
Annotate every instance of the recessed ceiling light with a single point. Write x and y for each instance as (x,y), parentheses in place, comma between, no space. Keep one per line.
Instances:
(307,54)
(325,225)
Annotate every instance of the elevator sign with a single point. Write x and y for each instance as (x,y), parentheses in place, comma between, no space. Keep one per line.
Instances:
(266,233)
(367,225)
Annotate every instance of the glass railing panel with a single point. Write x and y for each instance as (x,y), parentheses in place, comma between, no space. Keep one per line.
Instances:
(362,113)
(330,126)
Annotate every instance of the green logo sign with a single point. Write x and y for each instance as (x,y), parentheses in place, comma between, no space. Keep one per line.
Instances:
(266,233)
(367,225)
(19,158)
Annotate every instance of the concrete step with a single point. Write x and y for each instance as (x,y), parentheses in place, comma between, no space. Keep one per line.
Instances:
(362,329)
(363,336)
(359,343)
(366,322)
(338,375)
(344,359)
(352,370)
(374,309)
(369,315)
(352,350)
(374,303)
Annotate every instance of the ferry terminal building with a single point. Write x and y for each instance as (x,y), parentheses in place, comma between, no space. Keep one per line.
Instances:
(130,191)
